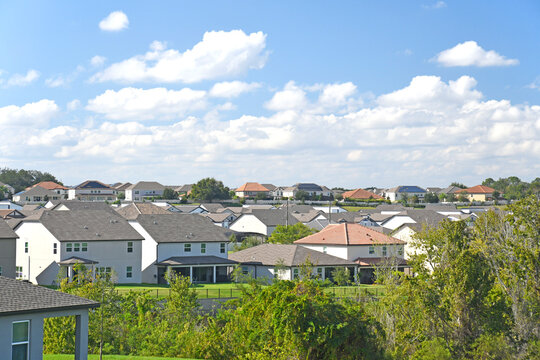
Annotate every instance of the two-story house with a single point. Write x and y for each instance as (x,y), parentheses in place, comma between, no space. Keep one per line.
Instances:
(188,244)
(55,241)
(8,245)
(92,190)
(252,190)
(144,190)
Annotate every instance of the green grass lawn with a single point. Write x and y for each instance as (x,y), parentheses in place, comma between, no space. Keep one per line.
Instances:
(108,357)
(356,208)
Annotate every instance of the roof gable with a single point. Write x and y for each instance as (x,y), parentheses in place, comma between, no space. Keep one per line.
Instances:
(93,184)
(252,186)
(360,194)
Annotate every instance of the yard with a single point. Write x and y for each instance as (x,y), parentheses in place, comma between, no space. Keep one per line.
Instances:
(107,357)
(227,290)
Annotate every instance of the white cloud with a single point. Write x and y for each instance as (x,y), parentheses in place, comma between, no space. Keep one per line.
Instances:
(32,114)
(469,53)
(230,89)
(20,79)
(98,60)
(436,5)
(115,21)
(355,155)
(220,54)
(140,104)
(73,104)
(64,79)
(291,97)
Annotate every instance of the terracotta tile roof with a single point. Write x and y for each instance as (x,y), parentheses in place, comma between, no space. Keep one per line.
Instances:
(348,234)
(50,185)
(360,194)
(478,189)
(252,186)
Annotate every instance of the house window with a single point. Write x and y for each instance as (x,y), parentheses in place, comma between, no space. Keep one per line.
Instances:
(18,272)
(187,247)
(20,340)
(136,192)
(384,251)
(84,247)
(68,247)
(245,270)
(26,247)
(222,248)
(129,272)
(319,273)
(76,247)
(55,248)
(372,250)
(295,274)
(203,248)
(400,250)
(130,246)
(324,249)
(104,272)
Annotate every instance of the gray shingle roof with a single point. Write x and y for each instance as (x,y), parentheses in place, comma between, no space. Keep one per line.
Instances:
(5,231)
(213,208)
(88,225)
(196,260)
(183,228)
(131,211)
(20,297)
(291,255)
(273,217)
(82,205)
(77,260)
(146,185)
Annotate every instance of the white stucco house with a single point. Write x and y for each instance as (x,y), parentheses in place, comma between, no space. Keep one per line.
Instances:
(188,244)
(262,222)
(92,190)
(23,308)
(144,190)
(401,192)
(55,241)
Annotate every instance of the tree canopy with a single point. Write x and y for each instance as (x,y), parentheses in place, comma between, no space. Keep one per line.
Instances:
(513,187)
(209,189)
(169,193)
(21,179)
(288,234)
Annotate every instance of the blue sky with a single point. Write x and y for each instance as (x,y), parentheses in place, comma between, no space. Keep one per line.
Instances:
(352,94)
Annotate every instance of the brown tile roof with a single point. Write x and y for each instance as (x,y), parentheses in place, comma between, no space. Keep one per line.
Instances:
(360,194)
(478,189)
(49,185)
(348,234)
(252,186)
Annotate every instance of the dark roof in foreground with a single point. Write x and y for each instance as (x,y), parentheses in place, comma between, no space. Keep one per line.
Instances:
(131,211)
(81,205)
(196,260)
(183,228)
(77,260)
(5,231)
(19,297)
(291,255)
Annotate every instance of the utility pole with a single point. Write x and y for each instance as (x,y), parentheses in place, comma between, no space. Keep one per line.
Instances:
(287,209)
(329,211)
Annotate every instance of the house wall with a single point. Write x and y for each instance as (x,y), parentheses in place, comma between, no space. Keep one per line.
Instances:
(249,223)
(166,250)
(406,234)
(339,251)
(36,331)
(353,252)
(140,195)
(8,253)
(149,249)
(40,261)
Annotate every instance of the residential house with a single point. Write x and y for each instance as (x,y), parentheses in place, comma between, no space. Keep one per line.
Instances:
(477,193)
(184,190)
(121,188)
(68,205)
(444,209)
(92,190)
(6,204)
(23,309)
(251,190)
(363,245)
(360,194)
(37,194)
(184,243)
(7,250)
(51,185)
(191,209)
(52,243)
(11,214)
(309,188)
(144,190)
(262,222)
(420,216)
(405,192)
(10,189)
(223,219)
(212,207)
(133,210)
(278,261)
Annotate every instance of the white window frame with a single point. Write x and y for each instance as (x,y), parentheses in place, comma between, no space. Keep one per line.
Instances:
(222,248)
(187,247)
(84,247)
(130,246)
(203,248)
(69,247)
(371,250)
(55,248)
(27,342)
(129,272)
(26,247)
(18,272)
(76,247)
(384,251)
(296,273)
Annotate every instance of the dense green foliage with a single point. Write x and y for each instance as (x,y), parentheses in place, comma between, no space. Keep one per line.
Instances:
(169,193)
(513,188)
(474,295)
(21,179)
(288,234)
(209,189)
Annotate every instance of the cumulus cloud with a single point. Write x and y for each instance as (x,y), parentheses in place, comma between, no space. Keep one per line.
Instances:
(469,53)
(292,97)
(141,104)
(20,79)
(220,54)
(115,21)
(98,60)
(73,104)
(436,5)
(32,114)
(230,89)
(62,80)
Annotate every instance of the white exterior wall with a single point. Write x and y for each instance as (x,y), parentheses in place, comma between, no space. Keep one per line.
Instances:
(397,221)
(8,251)
(149,250)
(39,264)
(353,252)
(167,250)
(139,195)
(338,251)
(249,223)
(406,234)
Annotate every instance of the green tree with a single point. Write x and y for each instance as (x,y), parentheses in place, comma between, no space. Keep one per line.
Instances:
(169,193)
(121,196)
(21,179)
(431,198)
(341,276)
(301,195)
(459,185)
(288,234)
(209,189)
